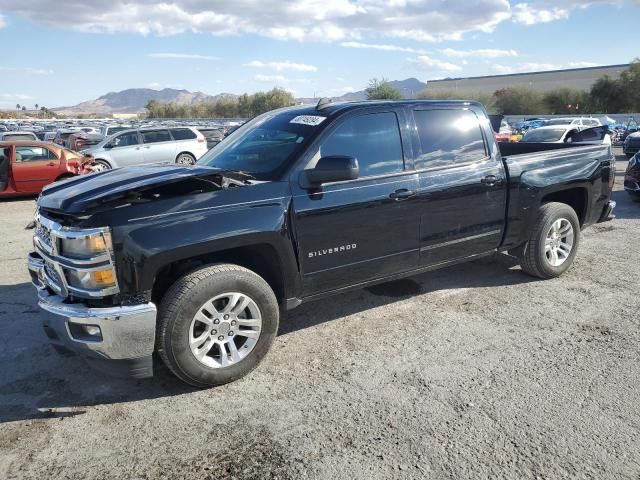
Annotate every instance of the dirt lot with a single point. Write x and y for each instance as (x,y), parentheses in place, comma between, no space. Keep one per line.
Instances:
(475,371)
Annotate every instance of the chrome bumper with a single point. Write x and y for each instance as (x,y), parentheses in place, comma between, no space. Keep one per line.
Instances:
(126,337)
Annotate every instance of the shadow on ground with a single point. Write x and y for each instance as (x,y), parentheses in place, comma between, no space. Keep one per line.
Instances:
(37,382)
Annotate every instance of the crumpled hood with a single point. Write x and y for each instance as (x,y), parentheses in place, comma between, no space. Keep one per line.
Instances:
(111,188)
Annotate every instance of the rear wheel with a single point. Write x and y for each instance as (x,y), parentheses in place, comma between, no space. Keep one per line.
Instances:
(553,242)
(185,159)
(216,324)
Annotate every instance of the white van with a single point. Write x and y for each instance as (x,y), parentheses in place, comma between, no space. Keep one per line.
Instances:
(183,145)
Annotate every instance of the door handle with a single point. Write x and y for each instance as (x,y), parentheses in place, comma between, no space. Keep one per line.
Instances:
(402,194)
(491,181)
(51,164)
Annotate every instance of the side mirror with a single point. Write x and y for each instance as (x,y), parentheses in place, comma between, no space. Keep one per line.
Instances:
(335,168)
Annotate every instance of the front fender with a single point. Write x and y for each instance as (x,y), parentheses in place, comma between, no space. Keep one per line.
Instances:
(148,245)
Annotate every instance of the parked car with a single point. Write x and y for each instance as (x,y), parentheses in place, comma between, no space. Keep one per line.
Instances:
(632,178)
(17,136)
(631,144)
(62,136)
(27,166)
(301,203)
(109,130)
(549,134)
(79,141)
(214,135)
(581,122)
(183,145)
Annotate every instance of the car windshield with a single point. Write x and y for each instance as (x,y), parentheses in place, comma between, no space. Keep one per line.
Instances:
(17,136)
(264,146)
(544,135)
(112,130)
(559,121)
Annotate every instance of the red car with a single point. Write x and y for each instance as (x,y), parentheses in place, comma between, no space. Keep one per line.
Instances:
(27,166)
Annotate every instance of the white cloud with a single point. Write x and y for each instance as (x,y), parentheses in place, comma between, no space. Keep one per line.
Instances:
(270,78)
(301,20)
(530,14)
(382,47)
(434,64)
(3,21)
(482,53)
(317,20)
(338,91)
(282,66)
(15,96)
(182,56)
(27,70)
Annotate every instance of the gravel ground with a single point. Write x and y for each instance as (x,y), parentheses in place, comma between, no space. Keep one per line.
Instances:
(475,371)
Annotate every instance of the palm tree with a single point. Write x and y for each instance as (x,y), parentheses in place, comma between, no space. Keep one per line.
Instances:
(36,106)
(17,106)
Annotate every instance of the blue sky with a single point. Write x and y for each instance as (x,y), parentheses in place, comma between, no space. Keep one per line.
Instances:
(68,51)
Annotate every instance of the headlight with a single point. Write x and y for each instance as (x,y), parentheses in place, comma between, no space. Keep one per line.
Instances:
(91,280)
(86,246)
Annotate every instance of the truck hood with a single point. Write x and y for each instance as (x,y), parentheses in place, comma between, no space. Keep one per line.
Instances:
(111,188)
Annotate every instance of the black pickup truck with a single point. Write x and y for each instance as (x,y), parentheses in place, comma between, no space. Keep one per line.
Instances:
(194,264)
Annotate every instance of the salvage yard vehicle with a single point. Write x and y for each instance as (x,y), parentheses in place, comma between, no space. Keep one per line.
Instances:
(17,136)
(80,140)
(182,145)
(194,263)
(631,144)
(632,178)
(29,165)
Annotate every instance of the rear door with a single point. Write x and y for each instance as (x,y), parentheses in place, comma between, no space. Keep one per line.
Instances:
(158,146)
(462,184)
(354,231)
(33,167)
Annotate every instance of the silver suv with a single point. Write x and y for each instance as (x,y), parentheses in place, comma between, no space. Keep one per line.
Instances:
(182,145)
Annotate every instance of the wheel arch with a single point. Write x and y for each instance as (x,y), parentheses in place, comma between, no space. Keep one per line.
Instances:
(576,198)
(261,258)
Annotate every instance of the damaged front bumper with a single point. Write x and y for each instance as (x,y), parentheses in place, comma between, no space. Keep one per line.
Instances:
(118,340)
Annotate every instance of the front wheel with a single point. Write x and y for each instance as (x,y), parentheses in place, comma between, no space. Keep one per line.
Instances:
(185,159)
(100,166)
(553,242)
(216,324)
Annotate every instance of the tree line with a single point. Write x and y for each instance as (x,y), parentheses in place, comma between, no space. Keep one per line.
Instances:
(607,95)
(243,106)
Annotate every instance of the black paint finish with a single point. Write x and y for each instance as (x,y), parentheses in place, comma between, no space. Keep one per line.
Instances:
(339,235)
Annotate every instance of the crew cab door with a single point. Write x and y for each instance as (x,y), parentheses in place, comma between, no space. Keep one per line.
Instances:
(358,230)
(158,146)
(33,167)
(462,184)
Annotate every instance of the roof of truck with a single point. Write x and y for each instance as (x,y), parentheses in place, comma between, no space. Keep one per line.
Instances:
(336,107)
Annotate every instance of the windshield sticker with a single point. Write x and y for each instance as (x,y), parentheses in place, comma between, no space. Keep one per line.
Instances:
(312,120)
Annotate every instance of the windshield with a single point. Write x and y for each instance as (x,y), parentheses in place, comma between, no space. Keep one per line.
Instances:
(559,121)
(112,130)
(264,146)
(544,135)
(17,136)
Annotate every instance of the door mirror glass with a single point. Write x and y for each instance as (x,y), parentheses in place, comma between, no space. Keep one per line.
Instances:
(336,168)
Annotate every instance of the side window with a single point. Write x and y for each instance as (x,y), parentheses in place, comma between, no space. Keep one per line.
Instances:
(126,139)
(183,134)
(448,137)
(156,136)
(374,139)
(32,154)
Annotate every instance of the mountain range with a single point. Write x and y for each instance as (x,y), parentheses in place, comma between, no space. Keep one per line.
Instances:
(133,100)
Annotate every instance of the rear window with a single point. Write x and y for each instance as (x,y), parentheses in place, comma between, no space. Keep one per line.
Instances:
(155,136)
(183,134)
(448,137)
(544,135)
(17,136)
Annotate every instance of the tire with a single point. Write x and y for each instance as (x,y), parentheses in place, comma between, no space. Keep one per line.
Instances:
(181,312)
(101,165)
(534,257)
(185,159)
